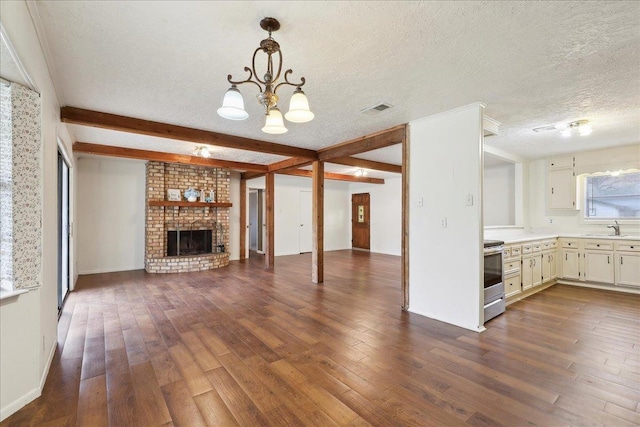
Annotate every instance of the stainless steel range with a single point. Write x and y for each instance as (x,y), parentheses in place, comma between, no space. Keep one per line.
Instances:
(494,299)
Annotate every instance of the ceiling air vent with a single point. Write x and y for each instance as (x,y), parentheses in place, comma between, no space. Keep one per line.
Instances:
(545,128)
(374,109)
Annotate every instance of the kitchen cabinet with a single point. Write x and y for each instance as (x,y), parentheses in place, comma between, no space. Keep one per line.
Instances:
(512,285)
(570,264)
(531,270)
(561,182)
(511,270)
(570,259)
(598,266)
(598,261)
(627,264)
(527,272)
(549,266)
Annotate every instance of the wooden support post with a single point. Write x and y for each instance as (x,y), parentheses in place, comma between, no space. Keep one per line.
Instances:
(269,196)
(243,218)
(405,220)
(317,251)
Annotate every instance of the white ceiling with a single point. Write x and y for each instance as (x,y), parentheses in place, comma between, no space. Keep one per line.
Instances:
(531,63)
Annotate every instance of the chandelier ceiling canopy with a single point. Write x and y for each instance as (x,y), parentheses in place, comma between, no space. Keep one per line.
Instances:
(233,103)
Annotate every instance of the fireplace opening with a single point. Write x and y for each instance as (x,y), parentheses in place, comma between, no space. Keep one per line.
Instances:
(189,242)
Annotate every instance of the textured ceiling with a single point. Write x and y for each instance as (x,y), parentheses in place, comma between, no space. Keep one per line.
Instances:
(531,63)
(9,70)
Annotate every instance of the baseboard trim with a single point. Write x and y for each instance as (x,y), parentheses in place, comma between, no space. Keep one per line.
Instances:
(529,292)
(45,372)
(17,404)
(602,287)
(109,270)
(30,396)
(469,328)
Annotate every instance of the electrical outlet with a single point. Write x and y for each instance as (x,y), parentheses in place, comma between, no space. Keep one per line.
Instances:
(443,222)
(550,220)
(420,202)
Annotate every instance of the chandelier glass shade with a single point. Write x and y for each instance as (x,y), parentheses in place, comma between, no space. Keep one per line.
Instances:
(274,123)
(233,103)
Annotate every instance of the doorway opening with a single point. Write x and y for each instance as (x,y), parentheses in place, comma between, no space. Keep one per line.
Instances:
(306,226)
(256,220)
(63,230)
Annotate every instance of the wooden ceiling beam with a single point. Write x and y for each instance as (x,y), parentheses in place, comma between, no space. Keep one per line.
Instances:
(366,164)
(363,144)
(294,162)
(330,175)
(131,153)
(97,119)
(251,175)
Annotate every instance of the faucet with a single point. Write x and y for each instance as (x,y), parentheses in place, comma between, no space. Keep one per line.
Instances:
(616,228)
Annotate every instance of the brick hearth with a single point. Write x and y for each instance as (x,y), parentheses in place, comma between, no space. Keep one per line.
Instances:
(159,219)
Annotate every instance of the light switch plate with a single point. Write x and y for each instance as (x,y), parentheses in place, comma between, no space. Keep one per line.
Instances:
(421,202)
(469,199)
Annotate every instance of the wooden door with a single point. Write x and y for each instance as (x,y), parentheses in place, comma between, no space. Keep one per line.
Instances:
(360,217)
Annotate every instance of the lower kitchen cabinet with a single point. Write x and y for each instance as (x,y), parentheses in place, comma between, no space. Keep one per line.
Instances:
(627,269)
(598,266)
(570,264)
(512,285)
(549,266)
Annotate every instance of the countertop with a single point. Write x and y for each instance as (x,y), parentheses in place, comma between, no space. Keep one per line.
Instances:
(510,238)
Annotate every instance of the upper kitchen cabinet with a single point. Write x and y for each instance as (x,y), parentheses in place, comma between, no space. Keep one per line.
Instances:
(561,181)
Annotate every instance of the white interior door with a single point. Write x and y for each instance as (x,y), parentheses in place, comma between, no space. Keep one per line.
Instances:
(253,221)
(305,221)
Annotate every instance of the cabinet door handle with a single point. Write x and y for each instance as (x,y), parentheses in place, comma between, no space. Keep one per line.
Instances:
(608,261)
(551,190)
(566,257)
(620,260)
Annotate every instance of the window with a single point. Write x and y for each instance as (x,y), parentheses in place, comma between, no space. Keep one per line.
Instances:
(612,197)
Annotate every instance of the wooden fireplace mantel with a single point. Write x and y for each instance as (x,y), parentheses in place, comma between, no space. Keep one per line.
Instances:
(190,204)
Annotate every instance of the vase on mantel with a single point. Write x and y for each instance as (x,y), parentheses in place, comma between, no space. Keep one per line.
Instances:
(191,194)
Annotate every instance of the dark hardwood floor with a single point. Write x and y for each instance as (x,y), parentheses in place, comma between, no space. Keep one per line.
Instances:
(247,346)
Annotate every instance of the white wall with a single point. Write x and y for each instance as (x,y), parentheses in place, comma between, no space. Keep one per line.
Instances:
(110,214)
(571,221)
(29,322)
(337,230)
(386,214)
(445,264)
(499,195)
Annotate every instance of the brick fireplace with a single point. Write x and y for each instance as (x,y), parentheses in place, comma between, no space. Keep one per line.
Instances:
(182,236)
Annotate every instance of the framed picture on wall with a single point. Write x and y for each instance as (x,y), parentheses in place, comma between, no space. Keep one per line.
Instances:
(173,195)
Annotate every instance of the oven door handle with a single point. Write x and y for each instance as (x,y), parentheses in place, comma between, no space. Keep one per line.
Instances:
(494,302)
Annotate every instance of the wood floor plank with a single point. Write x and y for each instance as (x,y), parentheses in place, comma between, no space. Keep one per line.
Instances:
(193,376)
(247,346)
(152,407)
(182,407)
(213,410)
(92,403)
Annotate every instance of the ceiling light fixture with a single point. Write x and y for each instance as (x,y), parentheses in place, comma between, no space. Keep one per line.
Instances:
(581,126)
(361,172)
(202,152)
(233,104)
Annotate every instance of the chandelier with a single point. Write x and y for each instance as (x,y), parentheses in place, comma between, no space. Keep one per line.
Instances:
(233,103)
